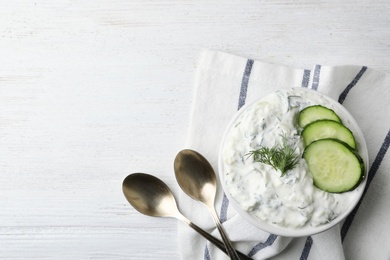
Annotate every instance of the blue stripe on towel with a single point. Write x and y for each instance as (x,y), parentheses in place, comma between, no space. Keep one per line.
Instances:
(316,77)
(243,93)
(306,248)
(207,253)
(305,79)
(270,240)
(241,102)
(374,168)
(224,208)
(225,202)
(244,83)
(344,94)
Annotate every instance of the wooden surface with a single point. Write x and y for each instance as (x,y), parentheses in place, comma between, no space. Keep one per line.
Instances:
(91,91)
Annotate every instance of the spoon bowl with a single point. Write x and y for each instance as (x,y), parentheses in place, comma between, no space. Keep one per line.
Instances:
(195,176)
(149,195)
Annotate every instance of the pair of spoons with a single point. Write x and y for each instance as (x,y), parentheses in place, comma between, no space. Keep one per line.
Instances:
(152,197)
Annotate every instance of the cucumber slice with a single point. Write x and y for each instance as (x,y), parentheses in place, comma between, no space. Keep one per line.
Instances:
(314,113)
(322,129)
(335,166)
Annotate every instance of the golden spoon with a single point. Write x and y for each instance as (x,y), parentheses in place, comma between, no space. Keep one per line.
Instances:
(197,178)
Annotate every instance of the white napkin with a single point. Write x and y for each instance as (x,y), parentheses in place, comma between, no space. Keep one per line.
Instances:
(223,84)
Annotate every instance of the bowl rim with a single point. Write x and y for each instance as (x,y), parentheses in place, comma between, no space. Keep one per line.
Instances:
(306,230)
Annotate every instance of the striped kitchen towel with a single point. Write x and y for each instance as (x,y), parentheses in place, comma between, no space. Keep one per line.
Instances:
(224,83)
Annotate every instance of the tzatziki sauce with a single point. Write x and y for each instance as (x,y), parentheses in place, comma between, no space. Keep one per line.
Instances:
(290,200)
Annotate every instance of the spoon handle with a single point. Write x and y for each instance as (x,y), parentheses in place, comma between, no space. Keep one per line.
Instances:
(229,247)
(218,243)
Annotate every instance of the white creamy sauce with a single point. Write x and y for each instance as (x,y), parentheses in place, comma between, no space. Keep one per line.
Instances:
(290,200)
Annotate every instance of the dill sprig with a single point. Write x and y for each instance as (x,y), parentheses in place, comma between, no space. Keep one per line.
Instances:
(281,158)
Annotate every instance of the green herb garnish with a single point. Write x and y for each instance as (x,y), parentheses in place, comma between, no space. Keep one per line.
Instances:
(281,158)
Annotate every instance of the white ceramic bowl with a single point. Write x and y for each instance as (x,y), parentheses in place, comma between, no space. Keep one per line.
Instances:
(348,121)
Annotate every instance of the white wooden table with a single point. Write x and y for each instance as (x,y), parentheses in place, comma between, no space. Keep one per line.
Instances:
(91,91)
